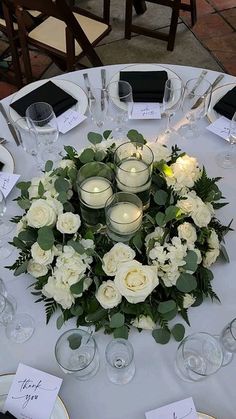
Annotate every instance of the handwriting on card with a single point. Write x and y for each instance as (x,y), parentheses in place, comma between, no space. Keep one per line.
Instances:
(221,127)
(32,394)
(7,182)
(139,110)
(183,409)
(69,120)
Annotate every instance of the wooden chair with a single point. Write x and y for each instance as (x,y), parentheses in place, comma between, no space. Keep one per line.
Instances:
(65,35)
(175,5)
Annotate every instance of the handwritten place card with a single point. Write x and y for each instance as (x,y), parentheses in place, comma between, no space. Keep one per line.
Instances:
(32,394)
(139,110)
(7,182)
(220,127)
(69,120)
(183,409)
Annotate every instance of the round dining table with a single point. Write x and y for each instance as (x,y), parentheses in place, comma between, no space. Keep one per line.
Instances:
(155,382)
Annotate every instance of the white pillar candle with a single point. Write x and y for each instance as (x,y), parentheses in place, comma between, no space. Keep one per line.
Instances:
(133,174)
(95,191)
(125,217)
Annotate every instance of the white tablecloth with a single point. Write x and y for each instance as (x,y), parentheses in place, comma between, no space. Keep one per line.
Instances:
(155,382)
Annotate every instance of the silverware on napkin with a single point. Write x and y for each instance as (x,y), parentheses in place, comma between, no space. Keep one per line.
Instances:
(201,99)
(88,87)
(103,77)
(198,82)
(10,126)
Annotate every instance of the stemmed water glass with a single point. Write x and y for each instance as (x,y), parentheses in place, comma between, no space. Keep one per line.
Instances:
(227,160)
(195,106)
(42,121)
(97,101)
(227,340)
(18,327)
(173,96)
(120,361)
(120,105)
(5,229)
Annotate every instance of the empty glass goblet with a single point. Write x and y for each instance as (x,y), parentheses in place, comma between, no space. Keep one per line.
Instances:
(76,353)
(173,96)
(18,327)
(120,361)
(198,356)
(5,230)
(42,120)
(227,340)
(120,103)
(97,101)
(227,160)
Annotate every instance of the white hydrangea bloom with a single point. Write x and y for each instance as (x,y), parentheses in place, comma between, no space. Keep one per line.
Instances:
(185,172)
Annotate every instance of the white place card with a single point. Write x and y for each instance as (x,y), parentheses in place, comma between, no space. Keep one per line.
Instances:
(140,110)
(183,409)
(7,182)
(68,120)
(220,127)
(32,394)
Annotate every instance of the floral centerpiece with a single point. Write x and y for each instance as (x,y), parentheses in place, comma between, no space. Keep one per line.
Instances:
(159,274)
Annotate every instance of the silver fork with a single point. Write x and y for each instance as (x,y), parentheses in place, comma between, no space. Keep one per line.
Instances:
(199,80)
(103,77)
(88,87)
(3,141)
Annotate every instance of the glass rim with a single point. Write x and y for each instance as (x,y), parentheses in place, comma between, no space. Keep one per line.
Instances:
(181,346)
(95,192)
(195,79)
(114,96)
(139,204)
(75,331)
(4,301)
(141,145)
(231,328)
(124,342)
(40,103)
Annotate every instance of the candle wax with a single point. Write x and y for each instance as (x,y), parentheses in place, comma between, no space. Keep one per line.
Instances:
(133,174)
(125,217)
(95,191)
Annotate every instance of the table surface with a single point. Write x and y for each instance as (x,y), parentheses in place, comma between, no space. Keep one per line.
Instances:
(155,382)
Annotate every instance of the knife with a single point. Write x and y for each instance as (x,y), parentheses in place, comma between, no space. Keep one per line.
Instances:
(201,99)
(10,126)
(88,87)
(103,77)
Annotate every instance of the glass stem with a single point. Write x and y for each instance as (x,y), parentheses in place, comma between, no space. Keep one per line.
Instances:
(169,115)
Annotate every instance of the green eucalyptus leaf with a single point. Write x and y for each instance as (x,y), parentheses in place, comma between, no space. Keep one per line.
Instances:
(166,306)
(135,136)
(161,335)
(107,133)
(28,235)
(60,321)
(160,219)
(76,310)
(170,314)
(23,186)
(178,332)
(94,138)
(24,203)
(74,341)
(48,166)
(96,315)
(100,155)
(186,282)
(76,246)
(61,184)
(45,238)
(117,320)
(137,240)
(72,173)
(18,243)
(41,189)
(172,213)
(78,287)
(62,197)
(191,261)
(121,332)
(160,197)
(21,269)
(87,155)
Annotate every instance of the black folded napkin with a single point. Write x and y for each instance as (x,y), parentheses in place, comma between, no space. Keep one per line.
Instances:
(147,86)
(1,166)
(227,104)
(49,93)
(7,415)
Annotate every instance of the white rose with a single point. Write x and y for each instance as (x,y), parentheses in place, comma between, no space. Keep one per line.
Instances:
(136,281)
(108,295)
(70,266)
(40,214)
(67,163)
(188,300)
(144,322)
(187,231)
(55,205)
(118,254)
(36,269)
(160,152)
(44,257)
(68,223)
(189,203)
(210,257)
(59,291)
(213,240)
(201,215)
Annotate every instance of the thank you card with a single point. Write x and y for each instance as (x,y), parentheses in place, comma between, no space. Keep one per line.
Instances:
(183,409)
(32,394)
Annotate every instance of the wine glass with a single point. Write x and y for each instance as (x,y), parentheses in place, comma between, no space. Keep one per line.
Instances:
(120,105)
(42,120)
(195,105)
(97,100)
(227,160)
(198,356)
(227,340)
(173,96)
(5,229)
(120,361)
(19,327)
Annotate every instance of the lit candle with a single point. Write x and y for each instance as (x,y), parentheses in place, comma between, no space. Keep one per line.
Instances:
(125,217)
(133,174)
(95,191)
